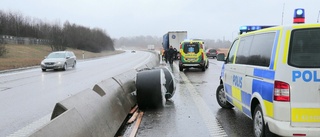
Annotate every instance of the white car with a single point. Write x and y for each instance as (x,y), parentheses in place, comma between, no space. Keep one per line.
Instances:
(59,60)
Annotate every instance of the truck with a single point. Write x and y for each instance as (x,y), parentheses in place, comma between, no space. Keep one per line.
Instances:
(174,38)
(150,47)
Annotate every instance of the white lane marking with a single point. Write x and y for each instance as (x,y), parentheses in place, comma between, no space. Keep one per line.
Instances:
(143,62)
(213,125)
(31,128)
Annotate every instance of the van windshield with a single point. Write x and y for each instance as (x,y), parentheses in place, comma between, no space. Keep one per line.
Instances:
(191,48)
(304,51)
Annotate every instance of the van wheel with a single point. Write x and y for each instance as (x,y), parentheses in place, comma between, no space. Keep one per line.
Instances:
(222,99)
(180,68)
(204,68)
(43,69)
(207,66)
(151,89)
(258,122)
(260,129)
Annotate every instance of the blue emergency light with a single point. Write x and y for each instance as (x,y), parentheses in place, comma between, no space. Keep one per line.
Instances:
(245,29)
(298,16)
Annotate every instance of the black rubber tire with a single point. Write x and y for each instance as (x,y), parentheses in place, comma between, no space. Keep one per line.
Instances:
(151,90)
(203,68)
(258,122)
(207,66)
(43,70)
(64,67)
(221,98)
(180,68)
(74,64)
(170,84)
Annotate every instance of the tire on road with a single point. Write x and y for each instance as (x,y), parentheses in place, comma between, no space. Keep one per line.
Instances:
(151,89)
(170,83)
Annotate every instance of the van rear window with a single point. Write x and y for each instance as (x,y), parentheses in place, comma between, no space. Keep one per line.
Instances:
(304,51)
(189,48)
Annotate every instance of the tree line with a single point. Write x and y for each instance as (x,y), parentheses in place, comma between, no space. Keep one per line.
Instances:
(60,35)
(141,42)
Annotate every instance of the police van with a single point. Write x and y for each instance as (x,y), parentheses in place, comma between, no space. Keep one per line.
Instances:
(272,75)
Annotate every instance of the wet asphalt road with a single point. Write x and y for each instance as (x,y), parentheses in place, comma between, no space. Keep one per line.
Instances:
(27,97)
(194,111)
(30,95)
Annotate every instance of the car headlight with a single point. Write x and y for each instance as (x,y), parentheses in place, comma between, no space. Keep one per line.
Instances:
(42,63)
(59,62)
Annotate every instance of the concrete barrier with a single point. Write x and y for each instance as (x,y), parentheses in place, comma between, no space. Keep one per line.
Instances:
(68,124)
(102,110)
(96,112)
(127,83)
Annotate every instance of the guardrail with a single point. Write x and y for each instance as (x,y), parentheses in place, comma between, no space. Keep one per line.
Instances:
(96,112)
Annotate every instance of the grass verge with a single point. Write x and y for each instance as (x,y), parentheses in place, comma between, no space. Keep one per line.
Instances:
(20,56)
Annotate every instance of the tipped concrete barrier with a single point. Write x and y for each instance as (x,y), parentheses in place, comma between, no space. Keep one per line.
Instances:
(127,83)
(97,112)
(68,124)
(102,110)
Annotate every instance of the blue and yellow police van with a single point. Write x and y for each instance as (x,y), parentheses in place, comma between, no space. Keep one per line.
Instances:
(272,75)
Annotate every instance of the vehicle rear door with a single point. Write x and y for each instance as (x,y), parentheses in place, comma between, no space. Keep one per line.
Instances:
(304,77)
(191,52)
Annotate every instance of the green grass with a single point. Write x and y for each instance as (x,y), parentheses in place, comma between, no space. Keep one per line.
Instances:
(31,55)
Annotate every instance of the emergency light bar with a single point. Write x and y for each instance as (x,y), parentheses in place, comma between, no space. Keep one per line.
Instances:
(245,29)
(298,16)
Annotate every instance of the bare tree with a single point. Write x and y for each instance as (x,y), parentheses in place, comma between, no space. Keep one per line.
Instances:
(59,37)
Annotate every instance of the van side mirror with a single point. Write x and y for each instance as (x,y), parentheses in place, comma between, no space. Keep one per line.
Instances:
(220,57)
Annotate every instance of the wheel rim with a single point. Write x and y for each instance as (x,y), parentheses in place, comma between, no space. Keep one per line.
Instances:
(258,124)
(222,97)
(65,66)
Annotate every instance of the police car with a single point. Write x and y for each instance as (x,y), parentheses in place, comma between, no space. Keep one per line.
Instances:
(272,75)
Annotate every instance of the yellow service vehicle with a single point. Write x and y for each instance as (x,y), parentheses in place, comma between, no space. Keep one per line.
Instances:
(193,55)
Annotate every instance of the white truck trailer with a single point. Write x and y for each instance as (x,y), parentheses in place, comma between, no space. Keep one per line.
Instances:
(173,38)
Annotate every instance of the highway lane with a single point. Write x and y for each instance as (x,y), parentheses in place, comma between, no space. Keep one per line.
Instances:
(29,95)
(194,111)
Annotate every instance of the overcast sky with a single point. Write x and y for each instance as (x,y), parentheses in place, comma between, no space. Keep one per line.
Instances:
(206,19)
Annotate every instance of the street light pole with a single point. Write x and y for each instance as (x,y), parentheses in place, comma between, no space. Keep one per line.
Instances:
(318,17)
(282,14)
